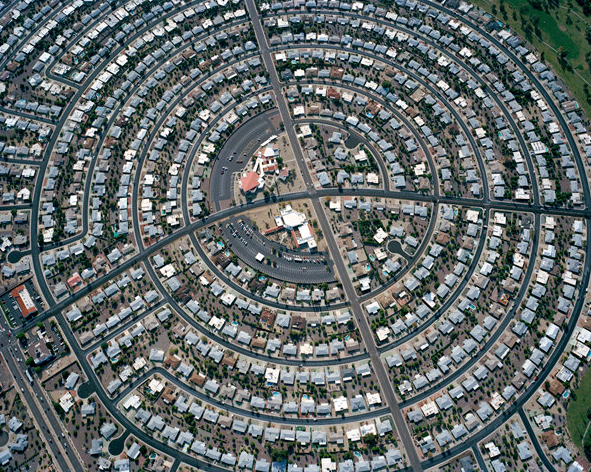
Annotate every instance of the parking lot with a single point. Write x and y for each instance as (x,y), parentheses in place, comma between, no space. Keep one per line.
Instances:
(235,155)
(273,259)
(53,332)
(12,310)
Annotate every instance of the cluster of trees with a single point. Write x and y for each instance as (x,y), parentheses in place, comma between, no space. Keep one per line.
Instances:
(586,6)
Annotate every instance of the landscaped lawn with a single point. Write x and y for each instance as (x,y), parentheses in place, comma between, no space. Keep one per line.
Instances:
(6,316)
(576,414)
(563,25)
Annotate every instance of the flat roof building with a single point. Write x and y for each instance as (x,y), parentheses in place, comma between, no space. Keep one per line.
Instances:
(24,300)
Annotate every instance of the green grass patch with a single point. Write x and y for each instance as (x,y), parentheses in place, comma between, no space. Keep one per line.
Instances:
(7,317)
(562,25)
(578,406)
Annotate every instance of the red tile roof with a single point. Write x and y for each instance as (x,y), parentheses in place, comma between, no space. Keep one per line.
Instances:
(249,182)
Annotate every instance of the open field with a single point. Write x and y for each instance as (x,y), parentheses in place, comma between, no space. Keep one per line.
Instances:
(562,26)
(576,415)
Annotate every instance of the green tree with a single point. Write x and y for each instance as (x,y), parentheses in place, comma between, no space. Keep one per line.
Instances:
(562,56)
(278,455)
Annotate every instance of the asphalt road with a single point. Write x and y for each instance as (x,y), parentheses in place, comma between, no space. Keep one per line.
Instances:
(499,330)
(113,334)
(534,385)
(251,414)
(534,439)
(10,348)
(539,86)
(36,198)
(459,119)
(451,299)
(479,458)
(359,137)
(468,69)
(433,220)
(368,336)
(21,42)
(368,339)
(366,333)
(35,251)
(218,216)
(115,114)
(52,430)
(536,210)
(557,353)
(238,348)
(399,116)
(164,116)
(29,117)
(537,207)
(118,416)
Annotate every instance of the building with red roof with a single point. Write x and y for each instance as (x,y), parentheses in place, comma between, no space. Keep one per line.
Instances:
(24,300)
(74,280)
(251,182)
